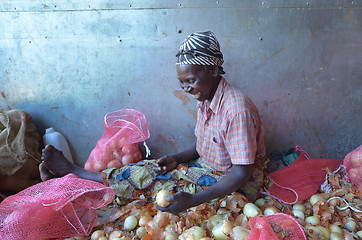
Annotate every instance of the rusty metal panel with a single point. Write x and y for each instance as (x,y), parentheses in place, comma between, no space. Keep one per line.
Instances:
(68,63)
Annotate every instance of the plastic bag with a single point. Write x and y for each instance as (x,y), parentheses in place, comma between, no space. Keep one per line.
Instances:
(274,227)
(301,179)
(57,208)
(118,146)
(353,164)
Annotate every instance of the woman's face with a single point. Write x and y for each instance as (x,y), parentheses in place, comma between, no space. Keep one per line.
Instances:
(199,81)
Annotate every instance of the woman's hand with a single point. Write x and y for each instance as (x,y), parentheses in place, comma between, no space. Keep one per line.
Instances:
(180,202)
(165,164)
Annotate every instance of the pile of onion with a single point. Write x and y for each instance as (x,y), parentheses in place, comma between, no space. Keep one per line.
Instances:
(334,213)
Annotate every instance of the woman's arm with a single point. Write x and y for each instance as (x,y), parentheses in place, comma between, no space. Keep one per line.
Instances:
(239,175)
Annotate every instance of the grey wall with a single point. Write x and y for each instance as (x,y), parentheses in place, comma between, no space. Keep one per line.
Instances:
(68,63)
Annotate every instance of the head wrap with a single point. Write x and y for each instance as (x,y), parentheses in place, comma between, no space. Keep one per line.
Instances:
(200,48)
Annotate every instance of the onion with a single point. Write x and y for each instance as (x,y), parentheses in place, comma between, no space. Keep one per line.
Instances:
(335,228)
(130,223)
(129,149)
(251,210)
(314,220)
(336,236)
(170,235)
(315,198)
(213,221)
(298,213)
(260,202)
(239,233)
(270,211)
(161,198)
(126,159)
(114,164)
(299,206)
(194,232)
(98,166)
(117,155)
(314,232)
(115,234)
(146,217)
(359,234)
(221,230)
(97,234)
(324,231)
(103,238)
(141,232)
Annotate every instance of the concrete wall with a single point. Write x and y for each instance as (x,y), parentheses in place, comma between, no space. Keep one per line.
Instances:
(68,63)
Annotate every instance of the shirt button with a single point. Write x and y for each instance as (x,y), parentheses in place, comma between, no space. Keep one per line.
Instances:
(206,124)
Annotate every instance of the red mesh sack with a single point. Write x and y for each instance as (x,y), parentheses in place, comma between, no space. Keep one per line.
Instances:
(301,179)
(118,146)
(353,164)
(57,208)
(274,227)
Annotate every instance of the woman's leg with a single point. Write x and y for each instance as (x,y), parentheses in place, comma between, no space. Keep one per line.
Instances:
(54,164)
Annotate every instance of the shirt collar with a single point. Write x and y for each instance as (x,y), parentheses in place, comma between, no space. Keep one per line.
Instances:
(215,102)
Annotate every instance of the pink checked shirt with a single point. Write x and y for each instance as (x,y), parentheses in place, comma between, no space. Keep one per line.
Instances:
(229,130)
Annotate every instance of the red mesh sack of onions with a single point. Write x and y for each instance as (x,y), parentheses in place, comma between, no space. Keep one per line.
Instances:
(353,164)
(118,146)
(54,209)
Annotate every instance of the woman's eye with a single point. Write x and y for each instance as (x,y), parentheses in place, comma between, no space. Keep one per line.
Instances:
(191,81)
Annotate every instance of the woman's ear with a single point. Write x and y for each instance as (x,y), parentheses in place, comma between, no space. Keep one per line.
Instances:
(215,71)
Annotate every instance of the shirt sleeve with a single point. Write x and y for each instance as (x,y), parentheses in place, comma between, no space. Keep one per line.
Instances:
(240,139)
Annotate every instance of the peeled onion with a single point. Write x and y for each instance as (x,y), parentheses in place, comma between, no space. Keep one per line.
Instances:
(315,198)
(161,198)
(298,213)
(299,206)
(335,228)
(170,235)
(314,220)
(141,232)
(260,202)
(97,234)
(221,230)
(336,236)
(251,210)
(126,159)
(239,233)
(324,231)
(129,149)
(114,164)
(194,232)
(315,232)
(130,223)
(115,234)
(98,166)
(270,211)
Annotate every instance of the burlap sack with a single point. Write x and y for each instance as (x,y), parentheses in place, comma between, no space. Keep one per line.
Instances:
(19,151)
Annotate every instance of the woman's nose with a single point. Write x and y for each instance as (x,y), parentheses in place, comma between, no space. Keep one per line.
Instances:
(186,87)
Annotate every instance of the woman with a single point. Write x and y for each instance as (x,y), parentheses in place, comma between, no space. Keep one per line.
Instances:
(229,141)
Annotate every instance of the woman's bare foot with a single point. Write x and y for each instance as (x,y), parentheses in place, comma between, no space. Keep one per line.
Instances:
(54,164)
(45,174)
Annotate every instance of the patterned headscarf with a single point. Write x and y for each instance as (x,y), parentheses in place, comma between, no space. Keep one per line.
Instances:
(200,48)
